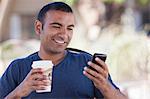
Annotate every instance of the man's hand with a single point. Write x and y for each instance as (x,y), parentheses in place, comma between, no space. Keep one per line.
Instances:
(100,76)
(100,80)
(35,80)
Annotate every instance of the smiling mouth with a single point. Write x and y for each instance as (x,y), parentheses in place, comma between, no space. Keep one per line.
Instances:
(59,41)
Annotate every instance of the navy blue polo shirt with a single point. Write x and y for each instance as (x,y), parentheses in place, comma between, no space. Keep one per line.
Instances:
(68,80)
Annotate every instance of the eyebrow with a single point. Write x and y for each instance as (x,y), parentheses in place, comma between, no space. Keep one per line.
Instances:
(56,23)
(71,26)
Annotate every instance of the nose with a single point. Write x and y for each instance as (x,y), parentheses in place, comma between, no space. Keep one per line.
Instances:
(63,33)
(63,30)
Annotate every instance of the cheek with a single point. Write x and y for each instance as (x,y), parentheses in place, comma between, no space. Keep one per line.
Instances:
(70,36)
(45,37)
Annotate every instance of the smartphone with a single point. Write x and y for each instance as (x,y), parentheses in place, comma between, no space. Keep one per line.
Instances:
(99,55)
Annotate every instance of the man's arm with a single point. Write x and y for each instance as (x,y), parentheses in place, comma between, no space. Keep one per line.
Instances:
(14,95)
(101,82)
(35,80)
(110,92)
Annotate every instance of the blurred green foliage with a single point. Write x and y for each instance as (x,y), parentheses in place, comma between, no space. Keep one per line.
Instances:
(116,1)
(140,2)
(143,2)
(70,2)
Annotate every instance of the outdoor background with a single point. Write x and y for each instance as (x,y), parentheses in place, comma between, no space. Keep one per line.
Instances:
(118,28)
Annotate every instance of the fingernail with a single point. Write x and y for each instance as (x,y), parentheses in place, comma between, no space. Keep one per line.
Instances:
(83,72)
(85,68)
(89,63)
(96,58)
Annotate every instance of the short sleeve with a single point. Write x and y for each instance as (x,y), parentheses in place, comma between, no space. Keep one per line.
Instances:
(109,78)
(8,81)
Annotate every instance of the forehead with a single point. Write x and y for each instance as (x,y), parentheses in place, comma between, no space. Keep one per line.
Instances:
(59,16)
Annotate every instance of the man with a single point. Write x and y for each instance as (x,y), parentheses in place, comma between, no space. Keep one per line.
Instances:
(71,78)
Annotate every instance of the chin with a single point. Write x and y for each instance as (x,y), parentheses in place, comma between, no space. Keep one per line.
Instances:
(57,51)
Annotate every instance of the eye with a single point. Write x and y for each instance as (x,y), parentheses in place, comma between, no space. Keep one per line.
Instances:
(56,26)
(70,28)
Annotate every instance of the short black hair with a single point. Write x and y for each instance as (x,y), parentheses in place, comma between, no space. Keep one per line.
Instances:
(61,6)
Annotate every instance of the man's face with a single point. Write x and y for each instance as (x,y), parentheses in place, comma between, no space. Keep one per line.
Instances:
(57,31)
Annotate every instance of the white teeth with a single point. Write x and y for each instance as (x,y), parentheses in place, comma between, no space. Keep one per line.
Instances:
(60,42)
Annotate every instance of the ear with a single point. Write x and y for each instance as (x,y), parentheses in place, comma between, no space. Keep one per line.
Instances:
(38,27)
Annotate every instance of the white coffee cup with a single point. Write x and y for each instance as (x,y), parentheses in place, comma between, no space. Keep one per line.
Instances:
(47,66)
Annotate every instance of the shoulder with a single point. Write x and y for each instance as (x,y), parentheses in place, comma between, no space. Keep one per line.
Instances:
(23,61)
(80,54)
(31,57)
(15,73)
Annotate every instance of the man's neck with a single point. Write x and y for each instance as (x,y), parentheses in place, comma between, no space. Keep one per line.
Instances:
(55,58)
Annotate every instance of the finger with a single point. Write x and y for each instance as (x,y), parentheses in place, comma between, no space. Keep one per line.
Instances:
(95,66)
(91,72)
(102,63)
(94,79)
(99,82)
(99,69)
(39,77)
(34,74)
(36,70)
(41,83)
(39,87)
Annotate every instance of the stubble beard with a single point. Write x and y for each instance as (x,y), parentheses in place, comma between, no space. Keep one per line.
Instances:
(54,50)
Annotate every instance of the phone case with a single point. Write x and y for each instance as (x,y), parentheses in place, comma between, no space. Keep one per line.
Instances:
(99,55)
